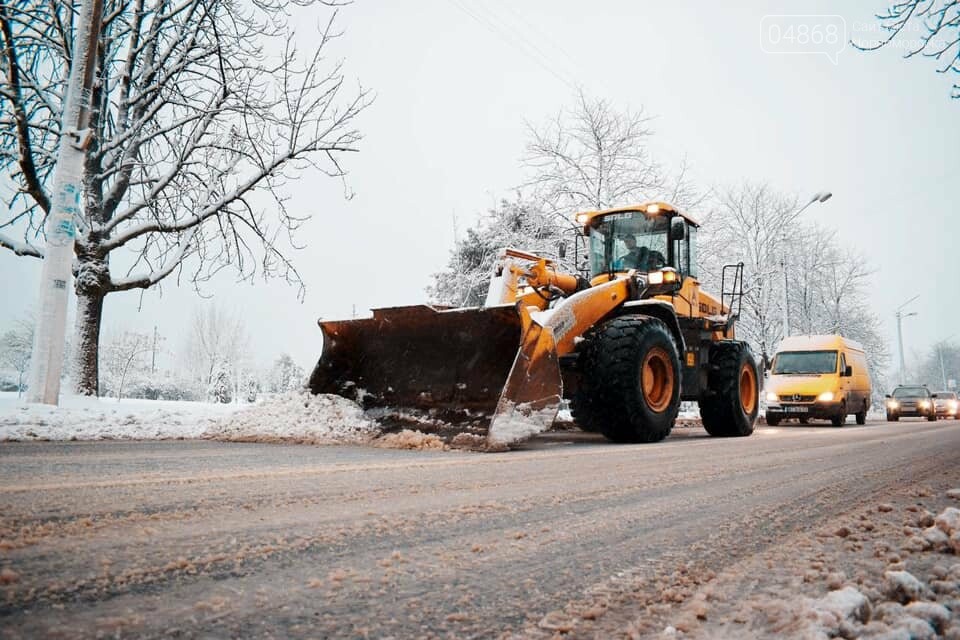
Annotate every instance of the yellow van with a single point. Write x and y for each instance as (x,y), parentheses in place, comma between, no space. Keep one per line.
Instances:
(818,377)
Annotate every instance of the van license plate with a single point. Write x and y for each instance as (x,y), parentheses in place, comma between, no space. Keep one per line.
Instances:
(796,409)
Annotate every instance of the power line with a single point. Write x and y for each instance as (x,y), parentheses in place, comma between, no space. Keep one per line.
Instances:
(486,21)
(533,27)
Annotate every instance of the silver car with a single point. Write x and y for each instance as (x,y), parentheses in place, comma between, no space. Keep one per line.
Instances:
(946,404)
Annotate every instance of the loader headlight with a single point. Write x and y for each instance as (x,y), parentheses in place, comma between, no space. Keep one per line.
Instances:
(659,277)
(826,396)
(771,396)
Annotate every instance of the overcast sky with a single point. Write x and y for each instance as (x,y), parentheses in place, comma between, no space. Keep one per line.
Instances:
(456,81)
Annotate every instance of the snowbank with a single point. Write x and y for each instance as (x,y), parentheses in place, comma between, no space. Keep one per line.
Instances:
(297,416)
(85,418)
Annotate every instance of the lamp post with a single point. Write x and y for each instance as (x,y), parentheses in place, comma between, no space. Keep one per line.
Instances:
(900,316)
(820,196)
(943,372)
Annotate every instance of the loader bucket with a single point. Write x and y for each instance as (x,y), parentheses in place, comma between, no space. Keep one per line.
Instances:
(531,397)
(453,362)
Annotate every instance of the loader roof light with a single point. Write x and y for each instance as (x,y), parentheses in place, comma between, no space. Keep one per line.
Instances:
(653,209)
(582,218)
(659,277)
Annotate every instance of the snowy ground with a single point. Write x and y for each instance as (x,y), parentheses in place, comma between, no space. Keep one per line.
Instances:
(296,416)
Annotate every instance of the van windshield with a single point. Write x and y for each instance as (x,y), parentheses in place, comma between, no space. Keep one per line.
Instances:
(805,362)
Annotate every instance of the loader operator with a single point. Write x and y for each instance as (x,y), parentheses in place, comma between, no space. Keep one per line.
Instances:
(640,258)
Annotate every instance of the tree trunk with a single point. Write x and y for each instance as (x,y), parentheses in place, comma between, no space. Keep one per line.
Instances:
(86,369)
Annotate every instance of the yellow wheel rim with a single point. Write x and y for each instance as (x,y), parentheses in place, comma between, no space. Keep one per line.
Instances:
(656,379)
(748,389)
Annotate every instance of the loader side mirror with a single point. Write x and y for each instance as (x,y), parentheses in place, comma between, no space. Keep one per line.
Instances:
(678,228)
(848,371)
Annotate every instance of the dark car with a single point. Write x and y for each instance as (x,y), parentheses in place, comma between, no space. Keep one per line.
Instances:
(911,401)
(946,404)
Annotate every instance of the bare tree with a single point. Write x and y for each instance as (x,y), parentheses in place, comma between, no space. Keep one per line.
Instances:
(826,285)
(514,223)
(15,350)
(201,111)
(123,354)
(748,224)
(286,375)
(806,262)
(594,156)
(591,156)
(940,365)
(938,22)
(216,346)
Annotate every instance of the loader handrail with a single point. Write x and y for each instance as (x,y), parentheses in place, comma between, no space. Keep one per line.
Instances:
(735,292)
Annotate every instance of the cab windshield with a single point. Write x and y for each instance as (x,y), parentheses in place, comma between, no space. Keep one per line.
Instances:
(629,240)
(805,362)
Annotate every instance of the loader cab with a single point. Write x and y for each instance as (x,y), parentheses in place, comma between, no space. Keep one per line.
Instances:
(646,237)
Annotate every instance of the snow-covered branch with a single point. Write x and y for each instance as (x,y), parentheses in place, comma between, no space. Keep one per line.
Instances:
(20,248)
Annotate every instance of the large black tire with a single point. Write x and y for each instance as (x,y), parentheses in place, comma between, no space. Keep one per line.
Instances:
(773,419)
(580,410)
(631,380)
(841,417)
(730,404)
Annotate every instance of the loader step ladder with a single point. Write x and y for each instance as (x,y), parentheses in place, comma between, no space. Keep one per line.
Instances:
(731,289)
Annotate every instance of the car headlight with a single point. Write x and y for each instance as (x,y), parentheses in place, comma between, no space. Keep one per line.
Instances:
(772,397)
(893,404)
(826,396)
(953,404)
(924,404)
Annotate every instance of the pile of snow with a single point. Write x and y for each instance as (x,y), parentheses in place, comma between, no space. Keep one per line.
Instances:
(297,416)
(86,418)
(411,439)
(901,605)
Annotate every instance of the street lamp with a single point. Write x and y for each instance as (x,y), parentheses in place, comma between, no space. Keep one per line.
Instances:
(900,316)
(820,196)
(943,372)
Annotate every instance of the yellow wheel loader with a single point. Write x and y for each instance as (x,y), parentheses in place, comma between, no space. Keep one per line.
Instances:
(624,347)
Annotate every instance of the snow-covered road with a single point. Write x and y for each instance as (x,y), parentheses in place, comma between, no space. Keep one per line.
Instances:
(794,532)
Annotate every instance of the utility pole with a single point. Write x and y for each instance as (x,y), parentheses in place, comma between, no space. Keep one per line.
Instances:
(943,372)
(60,230)
(900,316)
(153,352)
(820,196)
